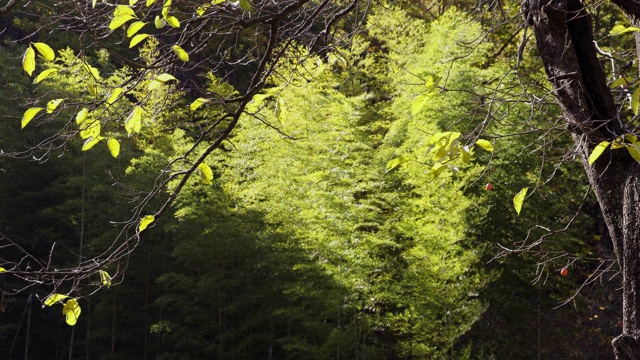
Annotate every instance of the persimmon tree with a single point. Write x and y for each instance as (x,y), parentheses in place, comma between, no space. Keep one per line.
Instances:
(604,131)
(219,54)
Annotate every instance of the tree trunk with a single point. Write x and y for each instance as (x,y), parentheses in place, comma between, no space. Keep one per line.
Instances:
(564,35)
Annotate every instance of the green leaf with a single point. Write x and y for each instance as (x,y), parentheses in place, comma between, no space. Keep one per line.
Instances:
(122,10)
(29,115)
(206,175)
(134,28)
(197,103)
(45,50)
(114,147)
(419,102)
(71,310)
(631,138)
(29,61)
(396,162)
(245,4)
(634,151)
(82,116)
(165,8)
(105,278)
(137,39)
(133,123)
(44,75)
(437,169)
(91,142)
(518,200)
(2,270)
(485,144)
(90,128)
(218,2)
(132,2)
(52,105)
(54,298)
(150,2)
(154,84)
(597,151)
(635,100)
(118,21)
(165,77)
(621,81)
(202,9)
(113,96)
(465,154)
(145,222)
(621,29)
(159,22)
(172,21)
(182,55)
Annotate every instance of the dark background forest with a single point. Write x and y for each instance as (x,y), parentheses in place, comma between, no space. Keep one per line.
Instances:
(305,245)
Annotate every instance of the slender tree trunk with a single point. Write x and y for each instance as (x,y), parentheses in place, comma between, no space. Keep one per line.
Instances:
(564,35)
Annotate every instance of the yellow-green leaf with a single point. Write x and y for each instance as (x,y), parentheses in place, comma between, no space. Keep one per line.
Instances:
(419,102)
(134,28)
(91,142)
(631,138)
(45,50)
(182,55)
(218,2)
(245,5)
(105,278)
(165,8)
(45,74)
(133,123)
(93,3)
(621,81)
(132,2)
(71,310)
(634,151)
(165,77)
(120,20)
(197,103)
(518,200)
(29,115)
(635,100)
(145,222)
(90,128)
(206,175)
(137,39)
(82,116)
(54,298)
(29,61)
(437,169)
(597,151)
(465,154)
(485,144)
(114,147)
(282,110)
(396,162)
(621,29)
(202,9)
(159,22)
(172,21)
(150,2)
(113,96)
(2,270)
(53,104)
(154,84)
(122,10)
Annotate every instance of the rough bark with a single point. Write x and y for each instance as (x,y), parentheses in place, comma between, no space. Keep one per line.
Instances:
(564,35)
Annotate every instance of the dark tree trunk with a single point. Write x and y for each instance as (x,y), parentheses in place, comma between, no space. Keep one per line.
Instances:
(564,35)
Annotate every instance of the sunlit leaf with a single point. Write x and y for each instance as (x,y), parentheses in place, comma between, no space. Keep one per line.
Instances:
(113,96)
(631,138)
(132,2)
(52,105)
(419,102)
(485,144)
(105,278)
(206,175)
(617,144)
(29,61)
(159,22)
(281,111)
(182,55)
(635,100)
(396,162)
(145,222)
(122,10)
(437,169)
(202,9)
(137,39)
(45,50)
(82,116)
(150,2)
(597,151)
(118,21)
(197,103)
(621,29)
(154,84)
(114,147)
(29,115)
(218,2)
(54,298)
(93,3)
(91,142)
(465,154)
(90,128)
(44,75)
(133,123)
(165,77)
(518,200)
(165,8)
(91,70)
(634,151)
(134,28)
(245,4)
(2,270)
(172,21)
(71,310)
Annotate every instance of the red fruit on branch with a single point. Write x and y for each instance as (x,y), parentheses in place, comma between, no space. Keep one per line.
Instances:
(564,272)
(489,186)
